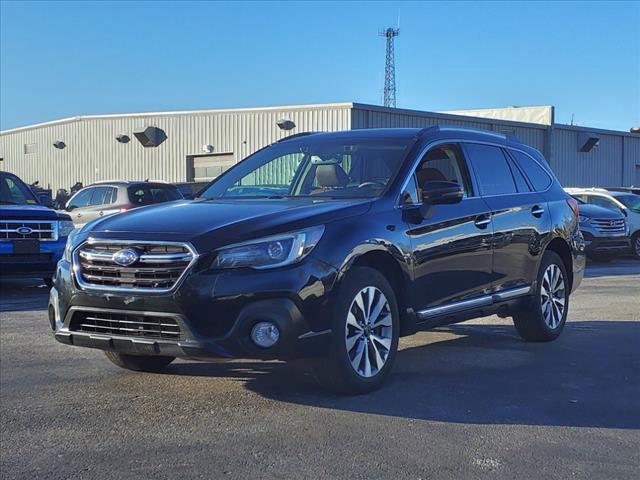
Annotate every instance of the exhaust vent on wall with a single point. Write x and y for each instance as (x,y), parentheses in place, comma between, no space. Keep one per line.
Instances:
(150,136)
(587,141)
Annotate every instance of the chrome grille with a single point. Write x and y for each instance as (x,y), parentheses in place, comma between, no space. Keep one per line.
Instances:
(28,229)
(158,267)
(608,226)
(125,324)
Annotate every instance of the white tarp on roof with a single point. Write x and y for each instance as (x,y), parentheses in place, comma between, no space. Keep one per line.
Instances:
(541,115)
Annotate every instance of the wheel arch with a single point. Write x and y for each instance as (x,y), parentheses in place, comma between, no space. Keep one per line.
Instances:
(393,269)
(560,246)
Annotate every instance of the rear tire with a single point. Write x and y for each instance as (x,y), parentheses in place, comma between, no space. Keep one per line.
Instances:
(543,319)
(364,341)
(139,363)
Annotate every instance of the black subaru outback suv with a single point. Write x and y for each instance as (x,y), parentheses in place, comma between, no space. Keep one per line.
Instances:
(329,246)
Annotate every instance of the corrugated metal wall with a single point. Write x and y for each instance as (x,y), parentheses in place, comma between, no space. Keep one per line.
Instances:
(93,154)
(611,163)
(365,116)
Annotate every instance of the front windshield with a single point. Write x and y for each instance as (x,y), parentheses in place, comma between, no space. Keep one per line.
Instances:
(631,201)
(330,168)
(14,192)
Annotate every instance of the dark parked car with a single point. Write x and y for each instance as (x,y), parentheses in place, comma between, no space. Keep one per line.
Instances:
(380,233)
(32,235)
(106,198)
(605,232)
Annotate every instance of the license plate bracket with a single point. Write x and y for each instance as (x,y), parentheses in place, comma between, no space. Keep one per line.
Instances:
(26,247)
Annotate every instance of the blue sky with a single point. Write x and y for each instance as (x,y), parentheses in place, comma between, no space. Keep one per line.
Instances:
(59,59)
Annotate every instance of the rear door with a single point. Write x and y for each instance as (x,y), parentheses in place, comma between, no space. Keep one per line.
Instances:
(451,243)
(520,217)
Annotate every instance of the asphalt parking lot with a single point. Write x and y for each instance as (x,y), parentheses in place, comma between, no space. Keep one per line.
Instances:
(467,401)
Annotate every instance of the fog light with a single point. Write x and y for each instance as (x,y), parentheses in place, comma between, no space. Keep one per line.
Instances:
(265,334)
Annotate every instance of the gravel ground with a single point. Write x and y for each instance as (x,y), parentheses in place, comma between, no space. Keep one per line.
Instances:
(467,401)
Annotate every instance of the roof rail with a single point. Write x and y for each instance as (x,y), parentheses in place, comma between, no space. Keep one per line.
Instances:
(295,135)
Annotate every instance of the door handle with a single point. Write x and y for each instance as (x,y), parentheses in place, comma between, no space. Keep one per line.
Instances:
(482,221)
(537,211)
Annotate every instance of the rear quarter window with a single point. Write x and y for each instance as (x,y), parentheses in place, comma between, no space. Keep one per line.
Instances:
(538,177)
(147,195)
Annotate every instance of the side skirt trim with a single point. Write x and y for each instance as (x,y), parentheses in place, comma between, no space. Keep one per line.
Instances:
(484,301)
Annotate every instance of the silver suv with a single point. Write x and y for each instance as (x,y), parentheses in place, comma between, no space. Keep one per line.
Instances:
(107,198)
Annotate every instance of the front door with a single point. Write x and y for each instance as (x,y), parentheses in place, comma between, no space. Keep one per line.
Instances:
(451,243)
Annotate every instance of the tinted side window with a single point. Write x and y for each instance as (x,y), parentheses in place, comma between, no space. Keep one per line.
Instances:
(536,174)
(518,176)
(98,196)
(81,199)
(444,163)
(492,170)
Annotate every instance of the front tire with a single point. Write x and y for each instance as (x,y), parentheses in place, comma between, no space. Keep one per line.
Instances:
(365,332)
(139,363)
(546,313)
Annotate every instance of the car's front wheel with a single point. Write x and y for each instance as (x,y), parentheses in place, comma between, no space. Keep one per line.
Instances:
(543,318)
(365,333)
(139,363)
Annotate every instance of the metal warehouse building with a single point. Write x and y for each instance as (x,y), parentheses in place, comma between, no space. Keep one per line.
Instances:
(198,145)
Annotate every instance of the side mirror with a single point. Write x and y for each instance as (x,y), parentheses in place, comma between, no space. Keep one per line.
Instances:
(441,192)
(69,207)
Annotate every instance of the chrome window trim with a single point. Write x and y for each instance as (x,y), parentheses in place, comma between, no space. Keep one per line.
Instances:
(435,143)
(55,228)
(144,290)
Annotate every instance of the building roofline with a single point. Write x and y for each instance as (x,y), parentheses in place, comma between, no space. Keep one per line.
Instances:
(579,128)
(173,113)
(449,116)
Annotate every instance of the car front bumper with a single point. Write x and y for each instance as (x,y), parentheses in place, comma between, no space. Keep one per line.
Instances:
(613,245)
(215,313)
(42,264)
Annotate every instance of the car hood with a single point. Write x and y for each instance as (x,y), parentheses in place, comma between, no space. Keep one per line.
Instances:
(30,212)
(217,222)
(594,211)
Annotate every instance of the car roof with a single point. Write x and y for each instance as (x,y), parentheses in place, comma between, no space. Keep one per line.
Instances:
(126,183)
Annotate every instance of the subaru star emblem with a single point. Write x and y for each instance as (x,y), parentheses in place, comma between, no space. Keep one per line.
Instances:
(24,230)
(126,257)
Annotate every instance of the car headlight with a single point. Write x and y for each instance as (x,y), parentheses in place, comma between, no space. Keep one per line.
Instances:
(269,252)
(70,245)
(65,227)
(583,219)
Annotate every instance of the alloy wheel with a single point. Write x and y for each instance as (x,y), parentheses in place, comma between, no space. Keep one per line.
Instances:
(369,331)
(553,296)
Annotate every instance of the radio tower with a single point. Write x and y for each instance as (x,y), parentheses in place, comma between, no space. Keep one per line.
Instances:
(390,67)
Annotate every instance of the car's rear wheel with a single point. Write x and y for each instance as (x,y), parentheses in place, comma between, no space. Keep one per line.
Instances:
(635,245)
(365,332)
(139,363)
(543,318)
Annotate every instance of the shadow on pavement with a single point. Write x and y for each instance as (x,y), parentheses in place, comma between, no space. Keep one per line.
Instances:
(590,377)
(616,267)
(23,295)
